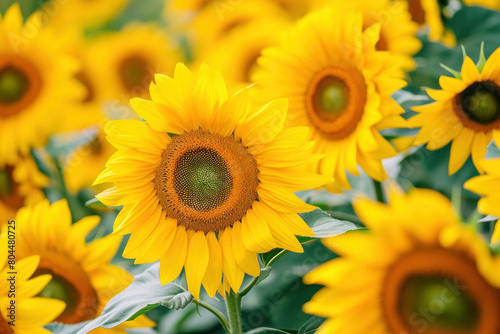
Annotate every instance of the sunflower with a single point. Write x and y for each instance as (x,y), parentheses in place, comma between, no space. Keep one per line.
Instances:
(487,186)
(82,13)
(466,112)
(36,83)
(236,54)
(397,30)
(32,312)
(20,184)
(81,274)
(417,271)
(125,61)
(208,181)
(294,8)
(340,86)
(210,25)
(427,13)
(85,163)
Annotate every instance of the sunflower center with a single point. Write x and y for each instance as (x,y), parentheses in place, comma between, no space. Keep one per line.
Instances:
(417,11)
(20,84)
(205,181)
(458,312)
(9,189)
(432,291)
(335,101)
(478,106)
(71,285)
(133,72)
(13,85)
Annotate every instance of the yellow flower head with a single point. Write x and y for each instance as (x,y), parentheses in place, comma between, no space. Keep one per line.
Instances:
(81,274)
(488,187)
(235,55)
(82,13)
(417,271)
(126,61)
(466,112)
(340,86)
(31,312)
(36,83)
(492,4)
(427,13)
(397,30)
(84,164)
(207,181)
(20,185)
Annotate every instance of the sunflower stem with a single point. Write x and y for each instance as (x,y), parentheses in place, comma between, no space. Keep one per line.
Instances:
(215,312)
(233,304)
(379,192)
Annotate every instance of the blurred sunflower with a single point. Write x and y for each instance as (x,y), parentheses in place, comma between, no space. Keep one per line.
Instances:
(82,13)
(32,312)
(466,112)
(209,26)
(488,187)
(90,108)
(427,13)
(398,33)
(125,61)
(81,274)
(36,84)
(236,54)
(416,271)
(208,181)
(294,8)
(20,185)
(85,163)
(340,86)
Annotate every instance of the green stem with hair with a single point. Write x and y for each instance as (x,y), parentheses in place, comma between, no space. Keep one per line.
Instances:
(379,192)
(233,304)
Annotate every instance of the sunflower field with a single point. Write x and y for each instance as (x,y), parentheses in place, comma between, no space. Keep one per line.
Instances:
(250,166)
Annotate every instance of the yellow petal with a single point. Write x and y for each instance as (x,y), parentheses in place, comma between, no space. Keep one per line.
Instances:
(172,261)
(197,258)
(213,275)
(245,259)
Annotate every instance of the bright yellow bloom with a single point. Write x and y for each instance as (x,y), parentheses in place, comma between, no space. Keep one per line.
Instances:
(293,8)
(207,182)
(466,112)
(126,61)
(427,14)
(82,13)
(235,55)
(20,185)
(31,313)
(417,271)
(488,186)
(397,30)
(84,164)
(36,83)
(340,86)
(81,274)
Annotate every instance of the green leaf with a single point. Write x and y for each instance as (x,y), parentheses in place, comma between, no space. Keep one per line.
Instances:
(264,273)
(488,219)
(94,203)
(324,225)
(59,328)
(266,330)
(311,326)
(143,294)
